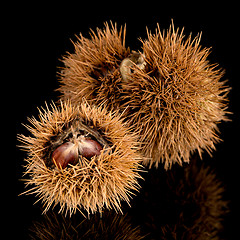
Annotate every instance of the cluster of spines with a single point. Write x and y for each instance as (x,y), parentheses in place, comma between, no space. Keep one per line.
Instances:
(93,184)
(188,203)
(92,71)
(177,100)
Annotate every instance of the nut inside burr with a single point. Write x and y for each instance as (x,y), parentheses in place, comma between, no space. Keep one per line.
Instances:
(126,64)
(73,143)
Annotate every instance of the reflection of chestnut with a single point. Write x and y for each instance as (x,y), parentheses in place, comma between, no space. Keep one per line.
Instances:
(65,154)
(68,152)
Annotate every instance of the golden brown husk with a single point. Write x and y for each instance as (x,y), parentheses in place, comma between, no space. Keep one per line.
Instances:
(91,185)
(177,101)
(174,103)
(92,71)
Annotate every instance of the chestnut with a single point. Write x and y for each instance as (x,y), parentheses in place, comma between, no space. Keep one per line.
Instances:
(89,147)
(65,154)
(68,153)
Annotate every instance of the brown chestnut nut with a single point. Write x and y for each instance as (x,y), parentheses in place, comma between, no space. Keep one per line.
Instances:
(69,151)
(88,147)
(65,154)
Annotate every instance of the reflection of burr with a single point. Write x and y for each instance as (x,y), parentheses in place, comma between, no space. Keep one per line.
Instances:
(81,157)
(109,225)
(183,203)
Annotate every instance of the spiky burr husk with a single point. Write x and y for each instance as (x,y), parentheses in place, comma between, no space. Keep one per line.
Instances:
(90,184)
(92,71)
(177,99)
(171,93)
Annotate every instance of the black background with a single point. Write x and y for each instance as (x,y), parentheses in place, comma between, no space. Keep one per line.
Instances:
(40,36)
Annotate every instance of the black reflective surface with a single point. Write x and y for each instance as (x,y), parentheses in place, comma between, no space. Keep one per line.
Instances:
(158,210)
